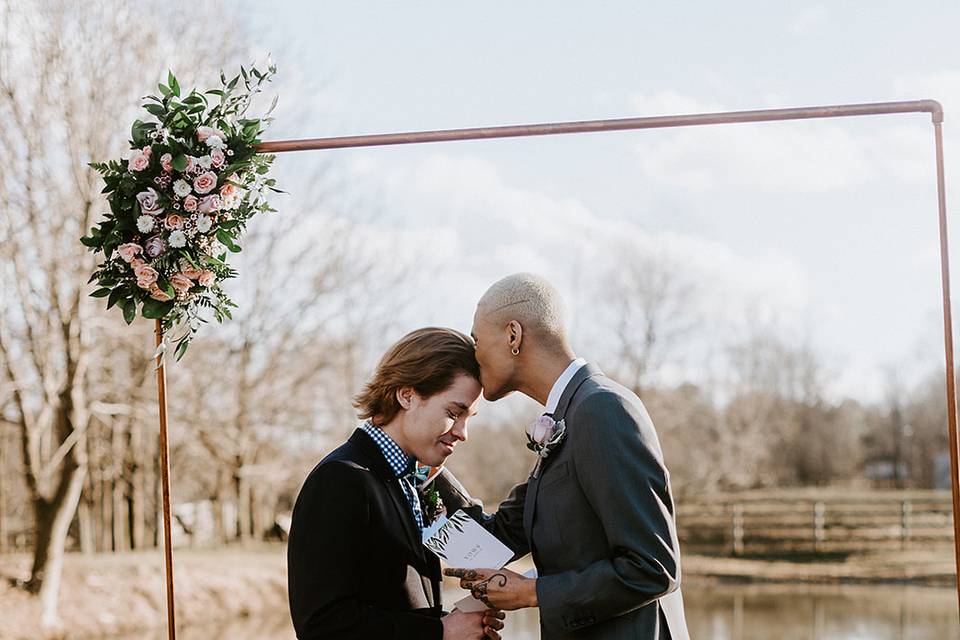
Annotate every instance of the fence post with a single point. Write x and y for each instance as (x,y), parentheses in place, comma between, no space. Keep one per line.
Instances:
(738,529)
(906,509)
(819,518)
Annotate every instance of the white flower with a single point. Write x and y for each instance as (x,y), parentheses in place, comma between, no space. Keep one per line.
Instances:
(216,142)
(205,161)
(181,188)
(178,239)
(232,201)
(204,224)
(145,224)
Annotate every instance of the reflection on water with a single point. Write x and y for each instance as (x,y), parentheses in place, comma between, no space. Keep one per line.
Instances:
(726,612)
(821,613)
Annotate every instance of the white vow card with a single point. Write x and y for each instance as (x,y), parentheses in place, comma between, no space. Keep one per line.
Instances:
(461,542)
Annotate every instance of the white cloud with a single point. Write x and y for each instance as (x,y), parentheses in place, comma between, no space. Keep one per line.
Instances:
(809,19)
(489,228)
(812,157)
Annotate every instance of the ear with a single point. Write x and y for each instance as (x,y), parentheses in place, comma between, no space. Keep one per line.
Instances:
(514,334)
(406,396)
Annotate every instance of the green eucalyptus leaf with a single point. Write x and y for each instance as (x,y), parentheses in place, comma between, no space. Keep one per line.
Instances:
(154,309)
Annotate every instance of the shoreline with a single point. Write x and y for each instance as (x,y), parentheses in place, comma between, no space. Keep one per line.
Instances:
(123,595)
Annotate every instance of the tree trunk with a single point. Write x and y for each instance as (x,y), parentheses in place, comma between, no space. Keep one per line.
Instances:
(242,486)
(85,521)
(136,509)
(119,519)
(53,519)
(3,493)
(256,514)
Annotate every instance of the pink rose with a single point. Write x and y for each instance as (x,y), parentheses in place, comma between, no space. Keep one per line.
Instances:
(129,250)
(205,132)
(147,150)
(191,272)
(210,204)
(155,246)
(146,276)
(227,190)
(206,278)
(191,164)
(218,158)
(205,182)
(136,262)
(166,162)
(181,283)
(541,430)
(148,202)
(173,221)
(190,203)
(158,294)
(138,161)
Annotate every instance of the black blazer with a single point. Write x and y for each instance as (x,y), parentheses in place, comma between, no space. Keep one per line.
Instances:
(356,567)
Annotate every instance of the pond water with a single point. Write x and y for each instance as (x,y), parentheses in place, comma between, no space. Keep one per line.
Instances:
(729,612)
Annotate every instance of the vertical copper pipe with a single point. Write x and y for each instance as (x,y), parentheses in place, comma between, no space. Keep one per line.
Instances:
(165,483)
(948,347)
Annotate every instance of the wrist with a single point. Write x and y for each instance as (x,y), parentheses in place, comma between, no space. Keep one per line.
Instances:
(532,600)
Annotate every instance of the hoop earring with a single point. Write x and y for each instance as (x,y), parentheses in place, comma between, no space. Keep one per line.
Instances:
(515,351)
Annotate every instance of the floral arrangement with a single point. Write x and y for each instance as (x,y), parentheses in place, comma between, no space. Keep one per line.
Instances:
(180,202)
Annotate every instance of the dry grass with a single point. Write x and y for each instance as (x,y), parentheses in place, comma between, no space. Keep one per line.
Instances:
(106,595)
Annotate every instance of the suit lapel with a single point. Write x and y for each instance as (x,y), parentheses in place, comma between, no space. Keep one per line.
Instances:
(533,484)
(404,516)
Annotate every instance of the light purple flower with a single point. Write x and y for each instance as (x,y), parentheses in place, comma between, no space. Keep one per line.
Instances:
(149,202)
(155,246)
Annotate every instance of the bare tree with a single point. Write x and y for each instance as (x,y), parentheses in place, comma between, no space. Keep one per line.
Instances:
(649,303)
(70,77)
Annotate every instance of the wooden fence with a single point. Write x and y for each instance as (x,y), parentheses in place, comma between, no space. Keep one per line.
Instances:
(806,522)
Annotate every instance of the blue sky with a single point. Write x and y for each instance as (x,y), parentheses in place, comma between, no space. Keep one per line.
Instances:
(828,227)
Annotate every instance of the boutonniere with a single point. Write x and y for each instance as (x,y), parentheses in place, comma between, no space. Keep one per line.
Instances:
(544,435)
(430,501)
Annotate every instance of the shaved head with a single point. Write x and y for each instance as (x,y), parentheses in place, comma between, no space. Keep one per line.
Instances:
(530,300)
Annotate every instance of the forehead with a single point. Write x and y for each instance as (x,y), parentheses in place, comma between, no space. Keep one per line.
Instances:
(464,390)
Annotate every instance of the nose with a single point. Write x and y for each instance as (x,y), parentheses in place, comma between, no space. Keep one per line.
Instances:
(459,430)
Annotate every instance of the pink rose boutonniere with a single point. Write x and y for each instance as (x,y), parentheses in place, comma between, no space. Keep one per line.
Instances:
(544,435)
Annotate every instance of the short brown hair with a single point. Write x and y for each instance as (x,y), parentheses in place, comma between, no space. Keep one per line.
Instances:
(426,360)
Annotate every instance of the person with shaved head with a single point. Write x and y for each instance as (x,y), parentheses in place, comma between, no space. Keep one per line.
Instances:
(596,512)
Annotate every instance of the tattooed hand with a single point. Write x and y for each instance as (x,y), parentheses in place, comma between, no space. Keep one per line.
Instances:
(498,589)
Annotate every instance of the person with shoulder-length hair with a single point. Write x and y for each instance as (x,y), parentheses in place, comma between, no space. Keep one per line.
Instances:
(357,568)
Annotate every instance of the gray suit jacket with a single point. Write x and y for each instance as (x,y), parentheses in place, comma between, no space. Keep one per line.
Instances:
(598,519)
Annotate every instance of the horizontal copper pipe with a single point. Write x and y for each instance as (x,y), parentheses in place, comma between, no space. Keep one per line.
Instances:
(592,126)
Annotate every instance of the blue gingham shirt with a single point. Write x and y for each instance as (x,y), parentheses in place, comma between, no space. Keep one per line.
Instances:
(402,466)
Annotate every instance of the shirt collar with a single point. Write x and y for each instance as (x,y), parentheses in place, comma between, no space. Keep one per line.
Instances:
(558,387)
(400,463)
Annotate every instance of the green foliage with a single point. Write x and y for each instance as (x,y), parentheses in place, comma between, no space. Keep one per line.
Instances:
(172,130)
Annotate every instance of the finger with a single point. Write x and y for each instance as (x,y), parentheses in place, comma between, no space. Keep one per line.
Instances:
(468,574)
(493,624)
(494,613)
(491,634)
